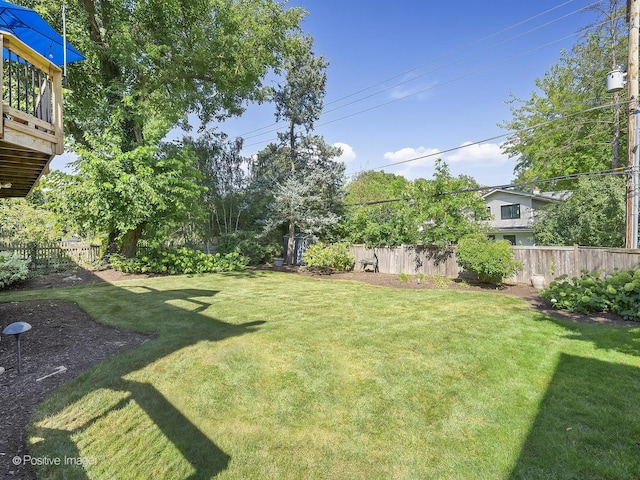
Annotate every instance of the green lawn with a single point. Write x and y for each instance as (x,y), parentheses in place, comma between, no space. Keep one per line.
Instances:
(262,375)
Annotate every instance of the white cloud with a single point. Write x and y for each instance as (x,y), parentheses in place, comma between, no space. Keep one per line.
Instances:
(348,154)
(488,154)
(422,166)
(409,153)
(484,162)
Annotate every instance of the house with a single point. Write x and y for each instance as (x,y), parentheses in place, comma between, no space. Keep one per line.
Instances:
(512,213)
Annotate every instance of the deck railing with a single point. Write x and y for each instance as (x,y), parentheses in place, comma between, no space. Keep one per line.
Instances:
(31,97)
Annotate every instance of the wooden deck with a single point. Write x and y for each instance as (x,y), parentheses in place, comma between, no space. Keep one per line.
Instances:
(31,132)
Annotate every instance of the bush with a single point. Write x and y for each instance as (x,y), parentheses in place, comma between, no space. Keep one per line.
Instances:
(175,261)
(403,277)
(12,269)
(253,248)
(491,261)
(329,256)
(617,293)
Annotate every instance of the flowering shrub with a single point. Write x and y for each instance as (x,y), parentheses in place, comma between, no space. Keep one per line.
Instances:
(175,261)
(12,269)
(331,256)
(617,293)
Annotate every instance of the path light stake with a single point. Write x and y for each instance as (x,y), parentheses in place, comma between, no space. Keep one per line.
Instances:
(16,329)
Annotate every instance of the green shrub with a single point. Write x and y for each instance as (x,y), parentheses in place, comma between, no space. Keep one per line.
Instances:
(252,247)
(617,293)
(12,269)
(175,261)
(491,261)
(403,277)
(329,256)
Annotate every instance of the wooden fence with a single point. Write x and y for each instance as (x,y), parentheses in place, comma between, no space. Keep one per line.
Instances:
(46,258)
(549,262)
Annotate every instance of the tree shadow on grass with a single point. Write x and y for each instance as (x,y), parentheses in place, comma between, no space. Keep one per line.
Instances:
(587,424)
(205,458)
(180,324)
(620,338)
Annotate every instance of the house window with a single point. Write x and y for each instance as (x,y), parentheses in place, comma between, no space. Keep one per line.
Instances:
(510,211)
(478,216)
(491,237)
(510,238)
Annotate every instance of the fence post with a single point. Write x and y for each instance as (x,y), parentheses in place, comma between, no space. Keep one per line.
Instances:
(32,249)
(576,260)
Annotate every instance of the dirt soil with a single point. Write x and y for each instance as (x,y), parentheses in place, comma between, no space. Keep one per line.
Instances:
(68,342)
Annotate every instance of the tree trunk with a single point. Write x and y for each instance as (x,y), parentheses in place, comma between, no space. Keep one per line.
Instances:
(291,243)
(292,146)
(130,242)
(112,243)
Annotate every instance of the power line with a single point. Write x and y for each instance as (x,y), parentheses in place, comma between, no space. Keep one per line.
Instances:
(442,57)
(573,176)
(466,145)
(466,47)
(489,48)
(461,77)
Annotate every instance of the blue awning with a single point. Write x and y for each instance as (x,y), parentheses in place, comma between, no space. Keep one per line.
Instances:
(29,27)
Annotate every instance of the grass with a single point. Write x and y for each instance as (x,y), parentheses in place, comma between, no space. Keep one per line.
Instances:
(265,375)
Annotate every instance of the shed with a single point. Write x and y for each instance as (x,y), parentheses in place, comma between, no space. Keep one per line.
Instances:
(302,242)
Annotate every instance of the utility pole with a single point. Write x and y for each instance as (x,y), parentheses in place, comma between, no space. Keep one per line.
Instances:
(633,17)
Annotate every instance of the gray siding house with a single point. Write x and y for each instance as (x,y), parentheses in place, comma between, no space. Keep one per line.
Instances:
(512,213)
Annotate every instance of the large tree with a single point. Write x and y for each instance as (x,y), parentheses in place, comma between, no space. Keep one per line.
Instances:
(148,189)
(429,212)
(225,175)
(304,180)
(445,208)
(377,211)
(593,215)
(150,65)
(563,127)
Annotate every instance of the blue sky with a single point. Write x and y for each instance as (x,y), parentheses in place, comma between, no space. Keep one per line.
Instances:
(442,73)
(417,77)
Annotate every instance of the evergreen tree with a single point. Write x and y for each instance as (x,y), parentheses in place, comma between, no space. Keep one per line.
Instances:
(302,181)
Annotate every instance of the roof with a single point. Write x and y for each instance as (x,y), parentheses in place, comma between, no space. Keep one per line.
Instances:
(557,196)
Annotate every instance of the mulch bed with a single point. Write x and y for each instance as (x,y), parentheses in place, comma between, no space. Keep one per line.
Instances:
(65,341)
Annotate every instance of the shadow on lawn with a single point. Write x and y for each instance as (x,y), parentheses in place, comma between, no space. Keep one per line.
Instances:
(178,327)
(619,338)
(623,340)
(203,455)
(587,425)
